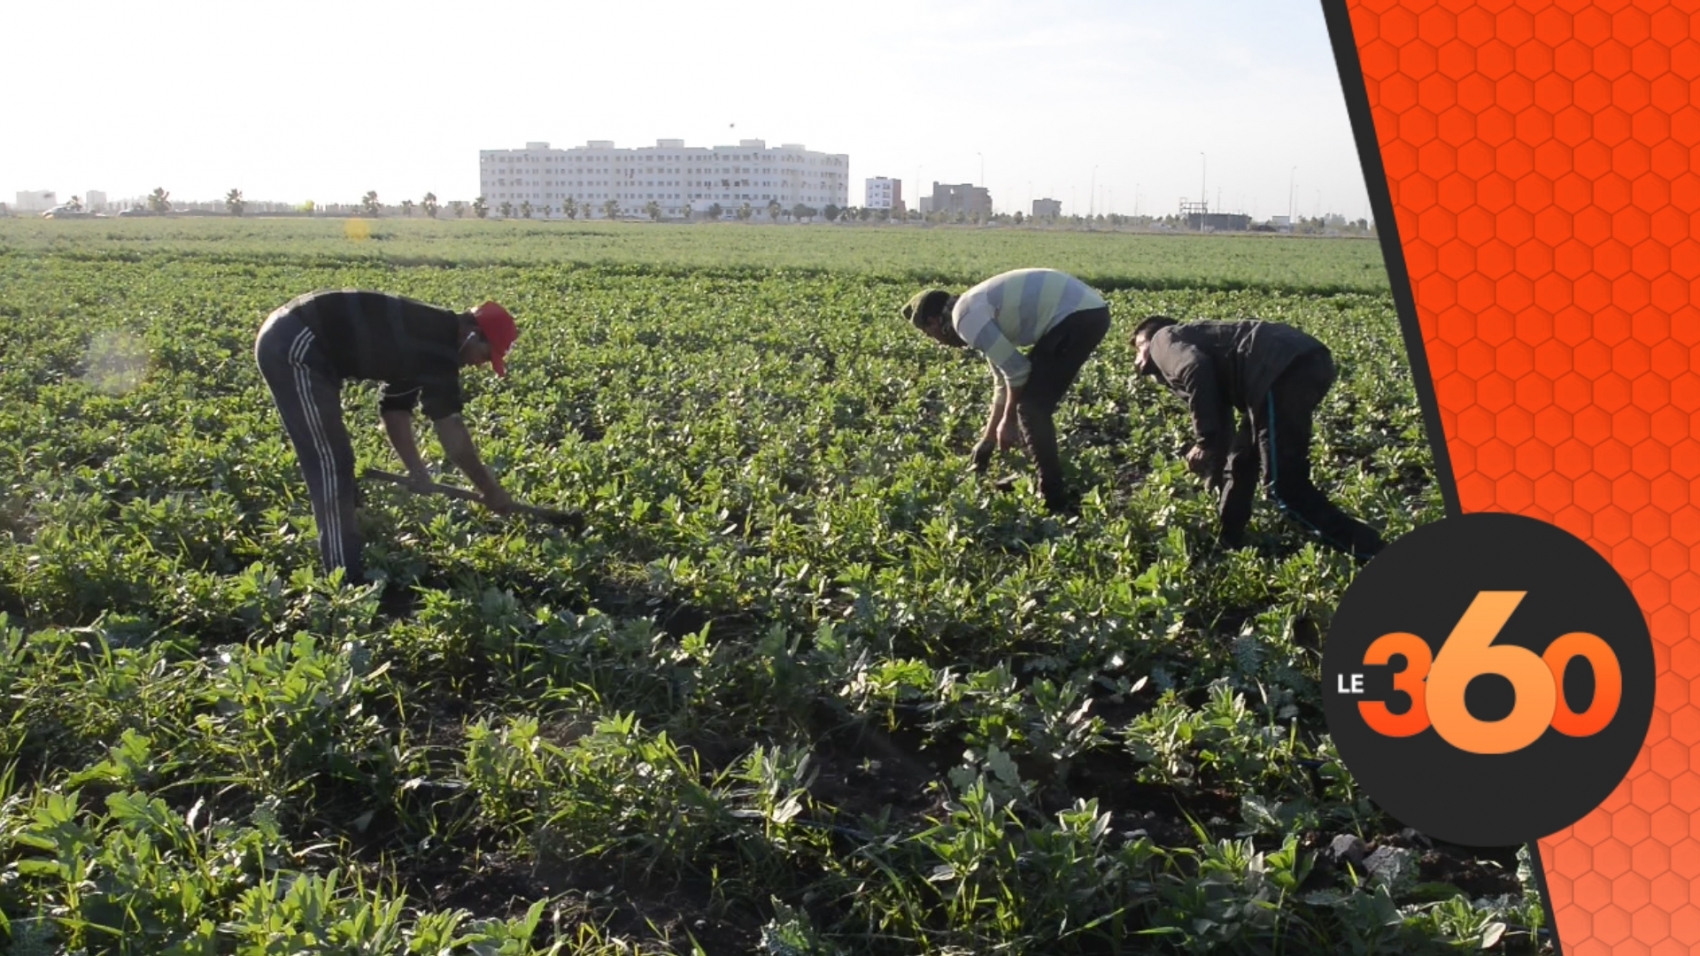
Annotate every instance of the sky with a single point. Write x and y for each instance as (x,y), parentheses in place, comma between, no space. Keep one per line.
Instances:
(1107,105)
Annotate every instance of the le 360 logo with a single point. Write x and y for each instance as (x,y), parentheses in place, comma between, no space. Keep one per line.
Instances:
(1438,684)
(1523,652)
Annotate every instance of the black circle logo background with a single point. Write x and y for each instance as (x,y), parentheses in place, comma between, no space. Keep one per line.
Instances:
(1422,584)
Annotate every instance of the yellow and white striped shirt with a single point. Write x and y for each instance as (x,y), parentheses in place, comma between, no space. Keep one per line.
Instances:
(1013,310)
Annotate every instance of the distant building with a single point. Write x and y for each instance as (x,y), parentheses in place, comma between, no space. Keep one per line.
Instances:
(1047,209)
(962,198)
(882,192)
(94,200)
(36,201)
(1219,221)
(1281,223)
(679,178)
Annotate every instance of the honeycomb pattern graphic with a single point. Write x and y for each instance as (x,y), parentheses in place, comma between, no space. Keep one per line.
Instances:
(1539,156)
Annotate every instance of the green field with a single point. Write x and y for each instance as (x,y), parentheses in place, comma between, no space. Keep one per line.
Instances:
(805,685)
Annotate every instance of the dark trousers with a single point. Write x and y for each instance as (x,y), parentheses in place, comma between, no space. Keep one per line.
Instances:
(1277,443)
(1056,359)
(308,393)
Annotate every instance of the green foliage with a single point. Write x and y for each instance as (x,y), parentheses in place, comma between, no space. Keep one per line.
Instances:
(803,685)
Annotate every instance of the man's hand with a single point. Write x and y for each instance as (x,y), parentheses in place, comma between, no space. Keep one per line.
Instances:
(983,450)
(1200,462)
(498,500)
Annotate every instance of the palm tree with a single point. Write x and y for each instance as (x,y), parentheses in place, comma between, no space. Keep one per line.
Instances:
(160,200)
(407,207)
(653,210)
(745,212)
(569,208)
(233,202)
(525,209)
(715,212)
(480,208)
(548,210)
(369,203)
(773,210)
(430,204)
(611,208)
(459,208)
(507,209)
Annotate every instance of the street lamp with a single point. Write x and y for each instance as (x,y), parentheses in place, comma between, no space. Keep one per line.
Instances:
(1092,201)
(1290,175)
(1203,203)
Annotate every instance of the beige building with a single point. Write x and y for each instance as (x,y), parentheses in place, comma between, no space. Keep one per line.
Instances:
(1047,209)
(963,198)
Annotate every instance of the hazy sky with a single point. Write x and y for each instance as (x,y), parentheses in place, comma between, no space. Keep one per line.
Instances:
(325,100)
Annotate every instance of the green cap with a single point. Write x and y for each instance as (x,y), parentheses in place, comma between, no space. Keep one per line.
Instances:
(913,309)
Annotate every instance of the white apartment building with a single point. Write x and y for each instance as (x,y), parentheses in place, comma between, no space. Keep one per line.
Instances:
(39,200)
(676,176)
(94,200)
(883,192)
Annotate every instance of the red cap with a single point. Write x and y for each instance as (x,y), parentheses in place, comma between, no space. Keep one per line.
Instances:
(499,330)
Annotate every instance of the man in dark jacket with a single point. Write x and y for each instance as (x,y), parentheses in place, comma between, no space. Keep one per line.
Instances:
(1274,376)
(309,346)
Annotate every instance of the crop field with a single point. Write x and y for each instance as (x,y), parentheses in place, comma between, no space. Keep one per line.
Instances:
(803,685)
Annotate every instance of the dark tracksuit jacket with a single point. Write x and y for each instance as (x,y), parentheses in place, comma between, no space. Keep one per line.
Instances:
(1274,376)
(309,346)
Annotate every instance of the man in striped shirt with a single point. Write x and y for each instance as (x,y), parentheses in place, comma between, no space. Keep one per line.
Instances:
(309,346)
(1060,317)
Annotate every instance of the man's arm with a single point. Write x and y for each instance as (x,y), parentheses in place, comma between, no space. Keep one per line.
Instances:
(1189,372)
(989,436)
(980,331)
(398,426)
(457,444)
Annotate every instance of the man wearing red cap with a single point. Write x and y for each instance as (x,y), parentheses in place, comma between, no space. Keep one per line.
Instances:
(309,346)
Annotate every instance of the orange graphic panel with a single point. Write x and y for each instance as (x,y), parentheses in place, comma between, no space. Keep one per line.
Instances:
(1540,161)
